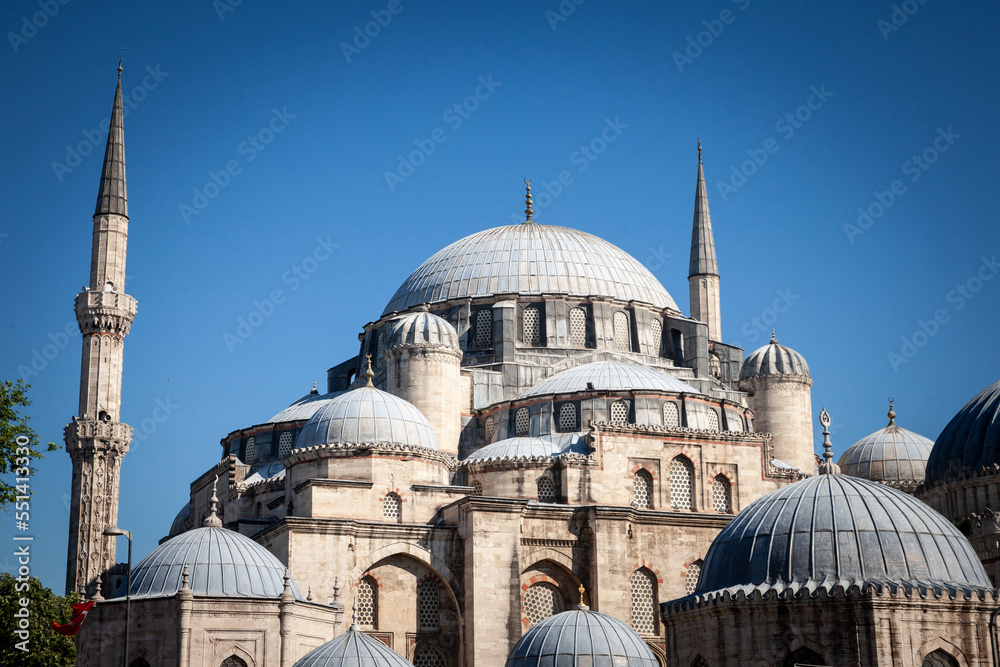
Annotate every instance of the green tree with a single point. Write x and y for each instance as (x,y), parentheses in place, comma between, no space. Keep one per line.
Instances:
(45,647)
(18,442)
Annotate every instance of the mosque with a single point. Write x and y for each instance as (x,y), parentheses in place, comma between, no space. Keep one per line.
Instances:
(536,459)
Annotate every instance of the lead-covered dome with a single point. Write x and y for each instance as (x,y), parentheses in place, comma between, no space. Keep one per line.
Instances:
(774,359)
(892,455)
(305,407)
(528,448)
(530,259)
(608,376)
(353,649)
(421,328)
(834,531)
(581,637)
(971,440)
(368,416)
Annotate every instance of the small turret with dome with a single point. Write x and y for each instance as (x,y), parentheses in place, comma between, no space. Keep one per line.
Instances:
(891,455)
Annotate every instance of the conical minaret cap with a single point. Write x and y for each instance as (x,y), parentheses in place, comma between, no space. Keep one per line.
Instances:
(111,195)
(703,260)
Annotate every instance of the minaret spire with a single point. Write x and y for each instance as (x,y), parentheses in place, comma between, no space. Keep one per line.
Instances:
(111,196)
(703,272)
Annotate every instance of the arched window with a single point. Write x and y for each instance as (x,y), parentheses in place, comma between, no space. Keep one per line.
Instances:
(484,329)
(284,444)
(721,494)
(578,327)
(477,488)
(368,603)
(139,662)
(232,661)
(681,484)
(691,577)
(656,329)
(642,489)
(428,605)
(250,451)
(546,488)
(699,662)
(939,659)
(260,511)
(567,417)
(521,421)
(713,420)
(428,655)
(621,332)
(379,354)
(541,600)
(619,412)
(531,326)
(392,507)
(671,415)
(488,427)
(803,656)
(643,598)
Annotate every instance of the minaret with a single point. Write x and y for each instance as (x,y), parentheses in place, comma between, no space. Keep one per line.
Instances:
(703,274)
(97,440)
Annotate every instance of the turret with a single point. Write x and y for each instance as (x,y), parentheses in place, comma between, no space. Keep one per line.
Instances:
(703,271)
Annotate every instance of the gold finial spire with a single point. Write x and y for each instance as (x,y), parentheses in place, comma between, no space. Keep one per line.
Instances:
(527,201)
(892,414)
(583,597)
(369,373)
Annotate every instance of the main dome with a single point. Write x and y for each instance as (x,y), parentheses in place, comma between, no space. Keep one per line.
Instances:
(608,376)
(971,440)
(530,259)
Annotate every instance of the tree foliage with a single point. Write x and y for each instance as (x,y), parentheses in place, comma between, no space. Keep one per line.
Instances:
(15,455)
(45,647)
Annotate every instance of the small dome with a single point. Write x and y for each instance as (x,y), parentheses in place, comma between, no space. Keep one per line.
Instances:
(529,448)
(971,440)
(891,454)
(835,530)
(304,408)
(368,416)
(353,649)
(221,563)
(530,259)
(421,329)
(177,527)
(581,637)
(608,376)
(774,359)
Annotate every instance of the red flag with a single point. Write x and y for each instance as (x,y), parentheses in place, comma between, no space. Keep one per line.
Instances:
(79,613)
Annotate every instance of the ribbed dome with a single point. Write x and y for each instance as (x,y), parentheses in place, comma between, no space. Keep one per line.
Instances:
(971,440)
(608,376)
(774,359)
(353,649)
(529,448)
(891,454)
(368,416)
(581,637)
(835,530)
(530,259)
(304,408)
(421,329)
(221,563)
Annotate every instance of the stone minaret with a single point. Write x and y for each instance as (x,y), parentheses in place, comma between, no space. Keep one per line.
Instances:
(96,439)
(703,274)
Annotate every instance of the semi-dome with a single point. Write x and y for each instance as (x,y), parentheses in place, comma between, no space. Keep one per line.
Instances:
(368,416)
(177,527)
(608,376)
(891,454)
(353,649)
(529,448)
(530,259)
(971,440)
(305,407)
(774,359)
(581,637)
(221,563)
(833,531)
(421,329)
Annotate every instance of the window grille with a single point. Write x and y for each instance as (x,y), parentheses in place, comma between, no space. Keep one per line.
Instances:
(532,327)
(250,454)
(567,417)
(521,422)
(284,444)
(643,590)
(484,329)
(546,489)
(367,603)
(681,481)
(391,507)
(691,577)
(621,332)
(939,659)
(642,489)
(619,412)
(260,511)
(578,327)
(428,605)
(671,415)
(541,600)
(477,489)
(699,662)
(427,656)
(657,331)
(721,496)
(488,427)
(231,661)
(713,420)
(379,349)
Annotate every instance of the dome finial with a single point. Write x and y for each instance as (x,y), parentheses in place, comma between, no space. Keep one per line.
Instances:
(828,467)
(774,341)
(527,201)
(369,373)
(212,520)
(699,150)
(120,58)
(314,390)
(892,414)
(185,579)
(354,617)
(583,598)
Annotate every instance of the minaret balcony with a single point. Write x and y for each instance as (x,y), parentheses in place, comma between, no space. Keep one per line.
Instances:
(97,433)
(107,311)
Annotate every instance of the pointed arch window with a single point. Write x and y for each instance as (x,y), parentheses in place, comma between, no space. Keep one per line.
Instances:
(368,603)
(642,489)
(250,451)
(656,329)
(643,601)
(392,507)
(578,327)
(532,327)
(691,577)
(429,605)
(477,488)
(939,659)
(567,417)
(546,488)
(488,427)
(139,662)
(428,655)
(671,415)
(681,484)
(484,329)
(722,497)
(231,661)
(284,444)
(619,412)
(713,420)
(521,422)
(622,341)
(541,600)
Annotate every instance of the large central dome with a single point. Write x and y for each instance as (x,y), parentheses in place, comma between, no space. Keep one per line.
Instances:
(530,259)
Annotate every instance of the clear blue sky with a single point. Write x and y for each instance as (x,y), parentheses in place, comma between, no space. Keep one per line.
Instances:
(554,85)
